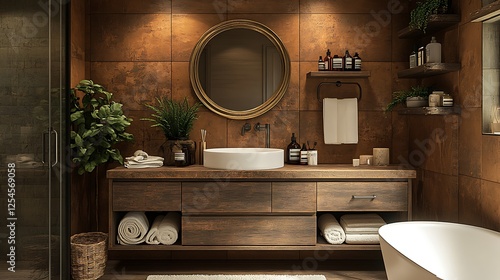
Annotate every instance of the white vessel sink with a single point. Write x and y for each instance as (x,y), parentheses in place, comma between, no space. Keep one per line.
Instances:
(243,158)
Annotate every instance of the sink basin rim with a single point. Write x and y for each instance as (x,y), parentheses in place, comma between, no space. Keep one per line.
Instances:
(243,158)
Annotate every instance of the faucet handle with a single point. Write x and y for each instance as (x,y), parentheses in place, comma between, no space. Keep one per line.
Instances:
(246,127)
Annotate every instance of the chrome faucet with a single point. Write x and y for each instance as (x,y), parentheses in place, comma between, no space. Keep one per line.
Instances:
(267,127)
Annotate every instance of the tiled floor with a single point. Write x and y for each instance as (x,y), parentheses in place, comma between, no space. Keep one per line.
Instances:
(332,270)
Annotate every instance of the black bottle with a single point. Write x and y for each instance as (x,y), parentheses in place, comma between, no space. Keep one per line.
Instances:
(347,61)
(303,154)
(357,62)
(293,151)
(328,60)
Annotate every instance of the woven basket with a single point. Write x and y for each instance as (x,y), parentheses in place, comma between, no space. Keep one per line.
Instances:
(88,255)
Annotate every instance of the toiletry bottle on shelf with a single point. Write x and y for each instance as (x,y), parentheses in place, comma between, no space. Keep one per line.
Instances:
(357,62)
(181,157)
(303,154)
(433,51)
(293,151)
(321,64)
(421,56)
(347,61)
(413,59)
(328,60)
(337,63)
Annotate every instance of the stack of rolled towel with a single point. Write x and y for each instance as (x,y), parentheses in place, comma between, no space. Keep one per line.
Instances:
(141,159)
(134,229)
(352,229)
(361,228)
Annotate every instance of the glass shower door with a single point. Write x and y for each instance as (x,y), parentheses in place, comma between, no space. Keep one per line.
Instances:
(33,238)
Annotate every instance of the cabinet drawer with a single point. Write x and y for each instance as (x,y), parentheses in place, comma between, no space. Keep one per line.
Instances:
(233,197)
(362,196)
(294,197)
(146,196)
(249,230)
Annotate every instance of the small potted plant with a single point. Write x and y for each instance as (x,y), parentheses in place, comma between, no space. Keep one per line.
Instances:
(416,96)
(97,125)
(419,16)
(176,120)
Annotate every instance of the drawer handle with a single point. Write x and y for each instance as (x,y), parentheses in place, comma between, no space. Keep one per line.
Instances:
(370,197)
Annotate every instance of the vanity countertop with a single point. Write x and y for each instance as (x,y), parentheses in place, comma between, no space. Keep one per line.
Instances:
(296,172)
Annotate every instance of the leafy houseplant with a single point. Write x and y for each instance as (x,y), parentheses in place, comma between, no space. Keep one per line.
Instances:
(97,124)
(419,16)
(176,120)
(399,97)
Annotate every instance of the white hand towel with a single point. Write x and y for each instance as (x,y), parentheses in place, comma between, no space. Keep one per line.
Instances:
(143,162)
(168,230)
(330,229)
(133,228)
(340,120)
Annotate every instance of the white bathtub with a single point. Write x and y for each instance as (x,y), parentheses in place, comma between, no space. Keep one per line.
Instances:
(439,250)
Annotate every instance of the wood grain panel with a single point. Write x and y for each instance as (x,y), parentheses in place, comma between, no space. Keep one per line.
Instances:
(146,196)
(249,230)
(338,196)
(234,197)
(296,197)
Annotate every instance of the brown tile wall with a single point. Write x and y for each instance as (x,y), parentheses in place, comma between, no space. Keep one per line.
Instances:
(140,52)
(460,179)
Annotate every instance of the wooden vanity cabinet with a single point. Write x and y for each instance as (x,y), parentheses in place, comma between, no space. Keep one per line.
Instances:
(256,210)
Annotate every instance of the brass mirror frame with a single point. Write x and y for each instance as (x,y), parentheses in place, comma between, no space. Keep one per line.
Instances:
(195,78)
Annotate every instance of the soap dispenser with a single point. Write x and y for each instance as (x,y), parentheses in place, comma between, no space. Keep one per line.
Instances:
(293,151)
(433,51)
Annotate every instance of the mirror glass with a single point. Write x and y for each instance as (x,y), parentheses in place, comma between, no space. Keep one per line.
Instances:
(240,69)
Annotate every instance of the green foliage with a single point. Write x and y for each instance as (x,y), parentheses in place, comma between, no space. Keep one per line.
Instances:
(176,119)
(399,97)
(419,17)
(97,124)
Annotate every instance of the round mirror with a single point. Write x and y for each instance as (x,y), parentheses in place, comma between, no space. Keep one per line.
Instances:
(239,69)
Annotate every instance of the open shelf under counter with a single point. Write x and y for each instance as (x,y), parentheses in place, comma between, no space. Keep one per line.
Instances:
(339,74)
(454,110)
(436,22)
(429,69)
(319,246)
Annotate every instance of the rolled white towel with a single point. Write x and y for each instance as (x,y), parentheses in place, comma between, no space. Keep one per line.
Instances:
(168,230)
(152,236)
(133,228)
(331,229)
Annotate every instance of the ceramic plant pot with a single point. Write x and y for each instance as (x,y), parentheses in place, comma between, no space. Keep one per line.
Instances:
(412,102)
(171,146)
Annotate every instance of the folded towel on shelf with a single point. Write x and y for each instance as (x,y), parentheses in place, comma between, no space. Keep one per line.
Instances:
(352,238)
(165,229)
(330,229)
(141,159)
(133,228)
(361,223)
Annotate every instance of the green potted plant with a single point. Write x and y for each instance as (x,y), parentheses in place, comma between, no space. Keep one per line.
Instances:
(176,120)
(97,125)
(416,96)
(419,16)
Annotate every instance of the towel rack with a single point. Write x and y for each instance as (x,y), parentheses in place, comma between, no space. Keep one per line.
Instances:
(338,84)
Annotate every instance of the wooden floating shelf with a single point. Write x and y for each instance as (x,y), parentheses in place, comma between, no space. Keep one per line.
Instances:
(339,74)
(429,69)
(487,13)
(436,22)
(430,111)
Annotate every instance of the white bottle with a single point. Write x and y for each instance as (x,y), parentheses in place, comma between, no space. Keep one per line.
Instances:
(433,51)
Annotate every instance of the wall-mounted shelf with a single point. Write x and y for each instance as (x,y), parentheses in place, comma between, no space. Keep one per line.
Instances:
(487,13)
(339,74)
(430,111)
(436,22)
(429,69)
